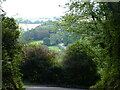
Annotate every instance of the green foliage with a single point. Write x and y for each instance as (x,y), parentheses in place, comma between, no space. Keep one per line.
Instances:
(49,30)
(62,36)
(80,69)
(40,32)
(55,38)
(99,23)
(46,41)
(11,50)
(35,34)
(39,65)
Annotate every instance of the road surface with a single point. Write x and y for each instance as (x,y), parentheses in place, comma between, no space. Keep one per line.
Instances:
(62,45)
(49,88)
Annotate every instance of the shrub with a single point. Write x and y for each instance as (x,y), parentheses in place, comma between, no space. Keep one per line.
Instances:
(38,64)
(79,67)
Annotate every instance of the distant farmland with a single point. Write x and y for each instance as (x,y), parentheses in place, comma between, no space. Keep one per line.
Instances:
(28,26)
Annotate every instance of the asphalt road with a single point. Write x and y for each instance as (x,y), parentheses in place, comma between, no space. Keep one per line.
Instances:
(49,88)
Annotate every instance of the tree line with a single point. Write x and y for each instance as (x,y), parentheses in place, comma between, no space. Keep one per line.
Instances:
(50,33)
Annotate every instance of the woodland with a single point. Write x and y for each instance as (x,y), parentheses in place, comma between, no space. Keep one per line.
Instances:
(85,50)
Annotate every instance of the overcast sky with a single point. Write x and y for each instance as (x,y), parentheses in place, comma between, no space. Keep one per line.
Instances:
(34,8)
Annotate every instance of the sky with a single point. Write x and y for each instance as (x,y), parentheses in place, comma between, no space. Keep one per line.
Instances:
(34,8)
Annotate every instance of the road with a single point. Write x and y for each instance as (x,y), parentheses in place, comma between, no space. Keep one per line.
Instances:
(49,88)
(62,45)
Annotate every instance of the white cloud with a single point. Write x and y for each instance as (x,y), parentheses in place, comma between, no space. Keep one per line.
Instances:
(34,8)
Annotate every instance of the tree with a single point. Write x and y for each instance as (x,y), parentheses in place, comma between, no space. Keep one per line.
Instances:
(100,23)
(40,32)
(11,49)
(46,41)
(56,38)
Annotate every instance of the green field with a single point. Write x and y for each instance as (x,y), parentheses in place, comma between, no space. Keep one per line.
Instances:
(36,42)
(54,48)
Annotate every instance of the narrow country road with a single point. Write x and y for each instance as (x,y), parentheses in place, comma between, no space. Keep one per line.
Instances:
(62,45)
(49,88)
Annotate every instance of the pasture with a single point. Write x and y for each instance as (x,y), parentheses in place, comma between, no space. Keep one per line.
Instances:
(54,48)
(37,42)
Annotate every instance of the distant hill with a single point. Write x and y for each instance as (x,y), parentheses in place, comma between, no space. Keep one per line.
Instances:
(29,22)
(40,20)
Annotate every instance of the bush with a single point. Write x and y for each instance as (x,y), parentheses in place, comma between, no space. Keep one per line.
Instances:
(38,64)
(79,67)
